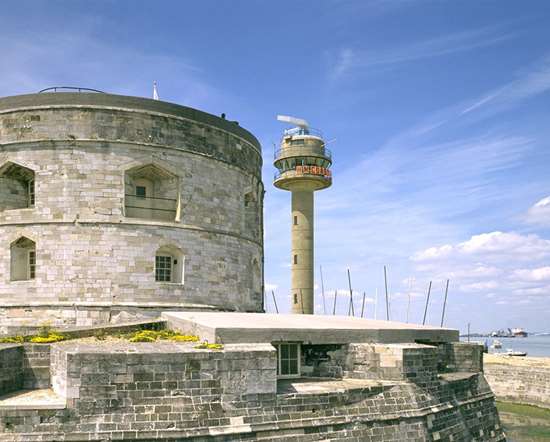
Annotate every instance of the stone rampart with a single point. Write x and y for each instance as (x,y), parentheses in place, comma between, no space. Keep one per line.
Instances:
(171,391)
(525,381)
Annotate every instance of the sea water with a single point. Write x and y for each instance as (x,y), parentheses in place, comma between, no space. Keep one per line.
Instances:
(536,346)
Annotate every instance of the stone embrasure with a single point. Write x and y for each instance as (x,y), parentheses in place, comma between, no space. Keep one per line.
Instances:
(93,187)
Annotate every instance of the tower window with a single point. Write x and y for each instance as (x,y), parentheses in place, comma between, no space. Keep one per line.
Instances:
(295,220)
(141,191)
(30,192)
(32,264)
(17,187)
(151,192)
(295,259)
(295,298)
(169,264)
(23,259)
(163,268)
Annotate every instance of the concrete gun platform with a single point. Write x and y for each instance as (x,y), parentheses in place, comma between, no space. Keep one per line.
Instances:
(228,328)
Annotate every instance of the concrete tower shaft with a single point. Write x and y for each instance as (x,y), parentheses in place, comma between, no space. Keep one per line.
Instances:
(303,165)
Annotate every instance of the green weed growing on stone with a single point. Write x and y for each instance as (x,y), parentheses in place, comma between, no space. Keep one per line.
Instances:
(207,346)
(12,340)
(51,337)
(155,335)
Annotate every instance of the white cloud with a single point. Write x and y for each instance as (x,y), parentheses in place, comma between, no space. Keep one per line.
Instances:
(539,213)
(528,247)
(487,264)
(538,274)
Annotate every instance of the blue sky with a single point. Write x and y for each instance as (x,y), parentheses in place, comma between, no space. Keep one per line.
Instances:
(439,109)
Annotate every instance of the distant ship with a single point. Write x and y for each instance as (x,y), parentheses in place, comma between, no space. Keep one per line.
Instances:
(510,333)
(519,333)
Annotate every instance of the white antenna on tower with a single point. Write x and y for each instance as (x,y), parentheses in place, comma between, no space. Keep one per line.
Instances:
(293,120)
(155,91)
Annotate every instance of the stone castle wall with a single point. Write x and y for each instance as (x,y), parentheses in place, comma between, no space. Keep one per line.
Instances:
(165,391)
(92,260)
(525,381)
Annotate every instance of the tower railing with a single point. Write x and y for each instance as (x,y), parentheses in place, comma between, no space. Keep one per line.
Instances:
(302,131)
(305,171)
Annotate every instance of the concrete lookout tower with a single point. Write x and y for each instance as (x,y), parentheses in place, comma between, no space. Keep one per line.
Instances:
(303,164)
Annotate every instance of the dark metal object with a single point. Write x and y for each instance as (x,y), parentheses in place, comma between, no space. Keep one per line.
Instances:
(334,308)
(275,301)
(351,309)
(323,290)
(363,307)
(444,303)
(427,302)
(387,298)
(70,88)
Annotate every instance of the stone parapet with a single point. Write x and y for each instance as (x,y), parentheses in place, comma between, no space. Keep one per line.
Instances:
(132,373)
(461,356)
(414,362)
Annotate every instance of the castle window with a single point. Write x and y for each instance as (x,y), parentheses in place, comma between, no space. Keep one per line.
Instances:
(23,259)
(163,268)
(141,191)
(295,259)
(295,220)
(17,188)
(169,264)
(30,192)
(152,193)
(288,360)
(32,264)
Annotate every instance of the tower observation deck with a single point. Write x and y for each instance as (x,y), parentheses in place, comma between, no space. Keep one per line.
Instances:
(303,166)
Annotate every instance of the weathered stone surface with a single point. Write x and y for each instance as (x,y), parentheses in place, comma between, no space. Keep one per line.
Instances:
(521,380)
(11,368)
(169,391)
(315,329)
(94,263)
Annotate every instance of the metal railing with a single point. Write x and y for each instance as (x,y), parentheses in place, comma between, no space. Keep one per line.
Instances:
(70,88)
(292,173)
(150,207)
(302,131)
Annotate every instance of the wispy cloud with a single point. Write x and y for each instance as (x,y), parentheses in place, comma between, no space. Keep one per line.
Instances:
(349,58)
(532,81)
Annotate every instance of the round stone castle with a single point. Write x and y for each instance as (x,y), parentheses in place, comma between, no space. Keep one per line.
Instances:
(114,208)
